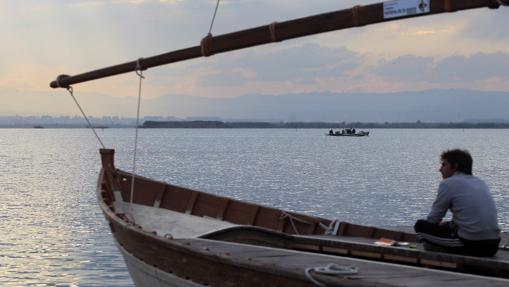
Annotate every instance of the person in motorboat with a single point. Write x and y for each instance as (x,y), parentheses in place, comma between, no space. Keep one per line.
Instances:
(474,228)
(331,132)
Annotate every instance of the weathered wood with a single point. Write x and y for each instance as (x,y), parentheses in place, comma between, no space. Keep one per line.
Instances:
(274,258)
(192,201)
(218,263)
(110,179)
(159,197)
(222,208)
(355,240)
(363,247)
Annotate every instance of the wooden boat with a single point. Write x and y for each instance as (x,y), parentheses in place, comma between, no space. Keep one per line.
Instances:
(176,236)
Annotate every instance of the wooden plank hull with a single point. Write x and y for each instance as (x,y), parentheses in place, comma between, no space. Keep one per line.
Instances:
(173,236)
(181,262)
(145,275)
(156,261)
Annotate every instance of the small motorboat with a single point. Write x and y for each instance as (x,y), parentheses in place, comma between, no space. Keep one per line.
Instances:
(350,132)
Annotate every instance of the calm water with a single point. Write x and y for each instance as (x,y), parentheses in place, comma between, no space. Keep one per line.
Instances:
(52,232)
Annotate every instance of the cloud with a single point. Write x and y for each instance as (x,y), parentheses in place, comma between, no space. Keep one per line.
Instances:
(477,67)
(488,25)
(303,63)
(48,38)
(405,68)
(457,68)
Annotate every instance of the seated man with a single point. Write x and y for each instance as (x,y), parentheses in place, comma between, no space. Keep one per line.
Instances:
(474,229)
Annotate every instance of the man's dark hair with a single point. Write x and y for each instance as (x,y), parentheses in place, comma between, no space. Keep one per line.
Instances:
(460,159)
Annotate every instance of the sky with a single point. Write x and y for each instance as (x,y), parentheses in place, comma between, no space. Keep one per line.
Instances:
(44,38)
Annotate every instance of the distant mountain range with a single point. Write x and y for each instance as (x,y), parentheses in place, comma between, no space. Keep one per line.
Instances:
(426,106)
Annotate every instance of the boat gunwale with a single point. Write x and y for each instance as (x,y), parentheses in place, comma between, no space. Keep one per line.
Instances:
(186,246)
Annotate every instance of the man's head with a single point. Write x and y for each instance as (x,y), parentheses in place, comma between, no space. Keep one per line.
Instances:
(455,160)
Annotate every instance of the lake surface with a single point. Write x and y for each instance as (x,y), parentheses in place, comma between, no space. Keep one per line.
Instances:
(52,231)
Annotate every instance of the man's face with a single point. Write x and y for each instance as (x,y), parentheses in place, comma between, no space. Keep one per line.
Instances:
(446,169)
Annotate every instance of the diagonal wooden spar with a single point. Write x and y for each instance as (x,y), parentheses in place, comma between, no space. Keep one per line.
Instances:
(275,32)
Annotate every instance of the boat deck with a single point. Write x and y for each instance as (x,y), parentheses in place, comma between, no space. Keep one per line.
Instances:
(371,273)
(364,248)
(502,254)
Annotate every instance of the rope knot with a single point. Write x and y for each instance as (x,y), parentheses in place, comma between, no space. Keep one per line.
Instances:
(139,69)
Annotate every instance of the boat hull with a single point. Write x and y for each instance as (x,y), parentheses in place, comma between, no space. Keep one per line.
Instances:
(164,262)
(146,275)
(153,260)
(349,135)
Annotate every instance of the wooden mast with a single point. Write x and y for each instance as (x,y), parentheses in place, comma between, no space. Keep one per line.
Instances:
(275,32)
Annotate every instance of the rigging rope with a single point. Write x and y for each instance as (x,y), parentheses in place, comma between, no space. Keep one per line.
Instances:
(332,228)
(213,17)
(291,218)
(69,88)
(139,72)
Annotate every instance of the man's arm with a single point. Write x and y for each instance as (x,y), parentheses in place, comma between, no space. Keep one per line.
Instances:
(441,204)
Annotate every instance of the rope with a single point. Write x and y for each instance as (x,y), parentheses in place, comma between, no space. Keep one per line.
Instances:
(206,41)
(69,88)
(330,269)
(139,72)
(214,17)
(130,218)
(332,228)
(285,215)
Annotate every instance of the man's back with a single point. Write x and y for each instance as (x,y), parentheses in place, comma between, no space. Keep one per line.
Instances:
(472,206)
(474,230)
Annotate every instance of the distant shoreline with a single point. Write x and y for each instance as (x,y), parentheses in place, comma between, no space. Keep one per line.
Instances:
(201,124)
(319,125)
